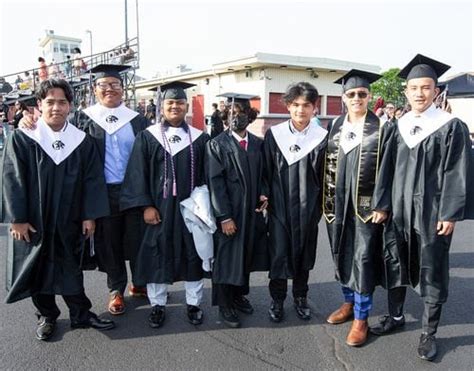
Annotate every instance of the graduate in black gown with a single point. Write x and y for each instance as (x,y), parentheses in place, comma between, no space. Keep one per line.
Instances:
(166,164)
(356,144)
(427,165)
(234,166)
(114,128)
(53,189)
(293,168)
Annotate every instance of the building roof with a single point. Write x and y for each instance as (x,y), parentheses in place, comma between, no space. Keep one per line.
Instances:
(261,60)
(50,37)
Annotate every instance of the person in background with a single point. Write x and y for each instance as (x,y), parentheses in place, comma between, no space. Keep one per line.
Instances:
(19,108)
(217,126)
(43,69)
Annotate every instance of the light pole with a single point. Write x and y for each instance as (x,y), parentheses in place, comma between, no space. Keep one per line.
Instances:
(90,39)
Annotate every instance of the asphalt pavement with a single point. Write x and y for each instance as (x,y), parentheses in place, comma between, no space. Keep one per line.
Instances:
(259,345)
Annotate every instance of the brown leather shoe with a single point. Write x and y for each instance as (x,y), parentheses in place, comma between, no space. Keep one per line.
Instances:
(358,334)
(116,304)
(137,291)
(341,315)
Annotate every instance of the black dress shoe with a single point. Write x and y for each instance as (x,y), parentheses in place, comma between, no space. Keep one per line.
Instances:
(302,309)
(95,322)
(276,311)
(427,347)
(195,315)
(387,325)
(242,304)
(45,328)
(229,317)
(157,316)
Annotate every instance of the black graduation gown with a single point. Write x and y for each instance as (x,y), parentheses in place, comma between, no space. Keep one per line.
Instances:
(295,194)
(54,199)
(132,238)
(167,253)
(469,211)
(356,246)
(428,184)
(234,180)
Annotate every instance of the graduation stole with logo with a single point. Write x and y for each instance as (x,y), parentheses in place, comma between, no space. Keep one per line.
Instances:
(367,169)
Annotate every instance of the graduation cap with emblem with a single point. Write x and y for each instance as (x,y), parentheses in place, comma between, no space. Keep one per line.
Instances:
(173,90)
(108,70)
(422,66)
(357,79)
(170,90)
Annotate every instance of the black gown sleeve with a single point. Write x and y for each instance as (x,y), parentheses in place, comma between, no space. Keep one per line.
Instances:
(453,192)
(14,174)
(267,177)
(94,197)
(387,153)
(215,176)
(135,190)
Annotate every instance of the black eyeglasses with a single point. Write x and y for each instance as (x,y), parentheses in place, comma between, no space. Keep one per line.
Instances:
(360,94)
(105,85)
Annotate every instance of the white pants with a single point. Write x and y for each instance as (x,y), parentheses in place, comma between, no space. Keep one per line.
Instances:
(157,292)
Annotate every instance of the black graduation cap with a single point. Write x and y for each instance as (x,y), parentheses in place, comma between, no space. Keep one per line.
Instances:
(357,79)
(108,70)
(173,90)
(422,66)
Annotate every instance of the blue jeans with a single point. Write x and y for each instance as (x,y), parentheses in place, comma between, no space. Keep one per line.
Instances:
(362,303)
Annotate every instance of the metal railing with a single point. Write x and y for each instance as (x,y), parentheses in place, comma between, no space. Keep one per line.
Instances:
(21,85)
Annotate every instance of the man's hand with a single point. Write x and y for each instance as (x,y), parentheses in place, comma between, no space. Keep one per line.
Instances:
(20,231)
(88,228)
(263,204)
(445,228)
(228,227)
(151,216)
(379,216)
(28,121)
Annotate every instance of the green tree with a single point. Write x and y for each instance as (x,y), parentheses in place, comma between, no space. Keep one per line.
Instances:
(390,87)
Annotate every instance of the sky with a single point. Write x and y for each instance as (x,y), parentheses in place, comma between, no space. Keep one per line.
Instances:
(201,33)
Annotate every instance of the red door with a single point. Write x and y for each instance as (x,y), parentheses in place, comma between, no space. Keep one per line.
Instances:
(198,112)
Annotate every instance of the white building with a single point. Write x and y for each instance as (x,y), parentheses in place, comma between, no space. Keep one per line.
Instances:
(55,47)
(265,76)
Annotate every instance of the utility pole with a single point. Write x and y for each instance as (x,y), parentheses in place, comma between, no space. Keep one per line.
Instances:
(126,24)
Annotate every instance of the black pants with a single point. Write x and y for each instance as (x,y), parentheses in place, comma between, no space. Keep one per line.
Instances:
(279,287)
(431,312)
(223,295)
(118,238)
(79,306)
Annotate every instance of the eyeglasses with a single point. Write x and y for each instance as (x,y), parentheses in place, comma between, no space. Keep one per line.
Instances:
(390,107)
(360,94)
(112,85)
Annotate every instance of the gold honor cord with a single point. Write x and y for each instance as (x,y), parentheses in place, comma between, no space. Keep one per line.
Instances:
(368,162)
(330,170)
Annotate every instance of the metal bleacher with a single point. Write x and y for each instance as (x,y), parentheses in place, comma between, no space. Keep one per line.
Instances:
(124,54)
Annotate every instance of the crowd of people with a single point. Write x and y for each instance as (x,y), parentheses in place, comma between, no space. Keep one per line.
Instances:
(106,187)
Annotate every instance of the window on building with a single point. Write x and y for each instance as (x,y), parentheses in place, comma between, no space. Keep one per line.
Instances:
(55,48)
(333,106)
(72,47)
(64,48)
(255,103)
(275,103)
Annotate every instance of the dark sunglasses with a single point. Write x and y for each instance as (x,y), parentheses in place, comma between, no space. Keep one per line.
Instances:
(360,94)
